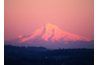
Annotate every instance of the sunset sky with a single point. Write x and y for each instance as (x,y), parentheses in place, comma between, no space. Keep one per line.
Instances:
(24,16)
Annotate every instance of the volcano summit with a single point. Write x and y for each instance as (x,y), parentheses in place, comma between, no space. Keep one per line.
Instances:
(51,32)
(51,36)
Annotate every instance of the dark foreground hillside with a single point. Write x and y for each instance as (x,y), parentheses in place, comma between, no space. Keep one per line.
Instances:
(41,56)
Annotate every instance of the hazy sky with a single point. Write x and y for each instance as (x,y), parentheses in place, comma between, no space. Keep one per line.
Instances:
(24,16)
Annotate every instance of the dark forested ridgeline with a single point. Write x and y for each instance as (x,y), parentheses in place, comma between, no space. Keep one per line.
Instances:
(14,55)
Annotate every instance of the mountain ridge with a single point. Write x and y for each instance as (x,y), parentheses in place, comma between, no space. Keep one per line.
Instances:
(53,33)
(52,37)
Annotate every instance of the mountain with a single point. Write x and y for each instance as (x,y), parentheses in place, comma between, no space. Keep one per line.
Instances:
(51,36)
(51,32)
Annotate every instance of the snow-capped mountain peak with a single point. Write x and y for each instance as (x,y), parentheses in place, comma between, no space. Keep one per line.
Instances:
(51,32)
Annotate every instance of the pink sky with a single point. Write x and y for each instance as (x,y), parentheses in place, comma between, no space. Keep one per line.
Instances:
(24,16)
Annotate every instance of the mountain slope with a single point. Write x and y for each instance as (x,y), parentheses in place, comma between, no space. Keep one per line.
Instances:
(53,33)
(52,37)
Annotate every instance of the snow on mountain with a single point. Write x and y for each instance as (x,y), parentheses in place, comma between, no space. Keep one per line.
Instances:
(51,32)
(52,37)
